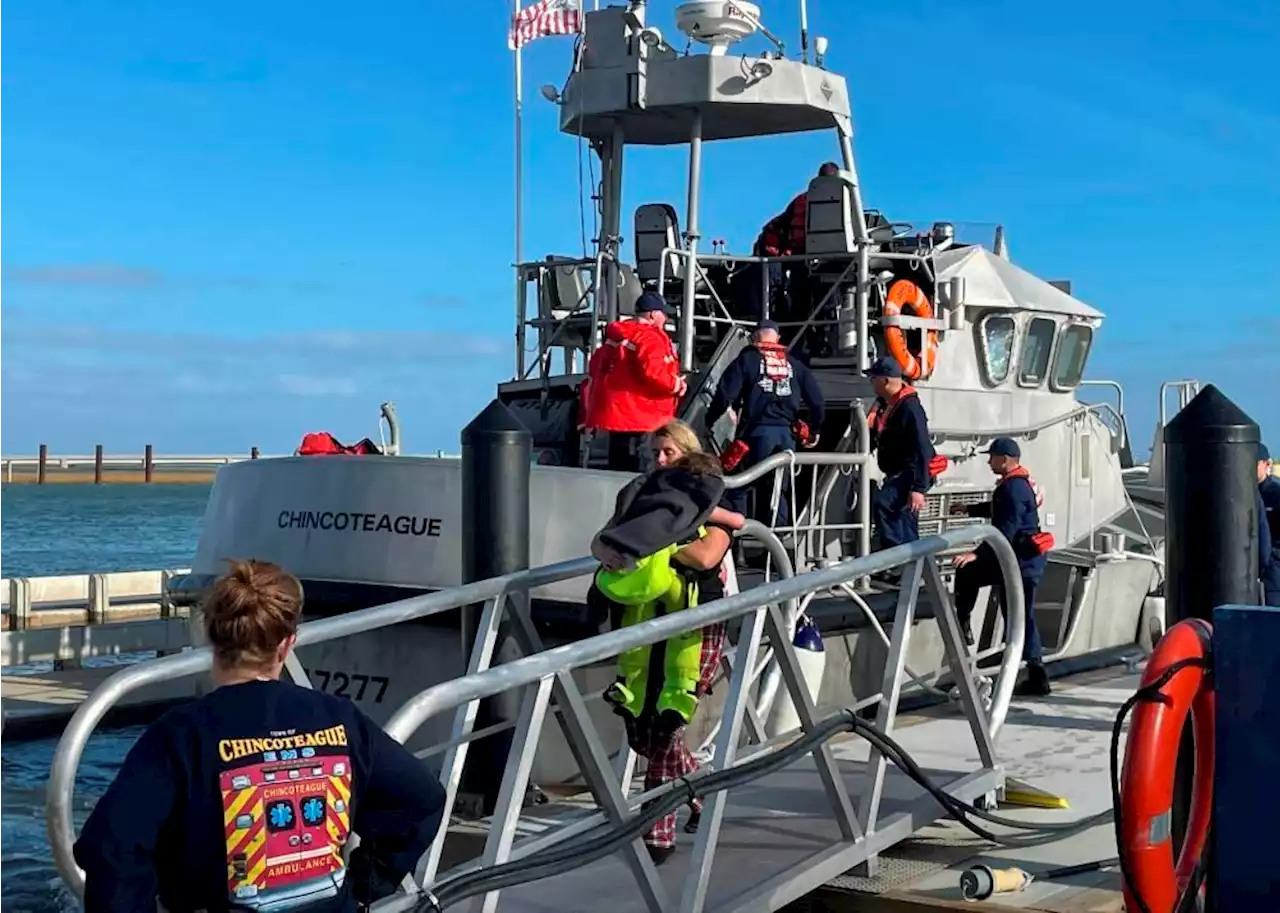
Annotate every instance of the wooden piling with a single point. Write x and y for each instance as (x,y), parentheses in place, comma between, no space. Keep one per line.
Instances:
(42,465)
(97,464)
(148,464)
(253,453)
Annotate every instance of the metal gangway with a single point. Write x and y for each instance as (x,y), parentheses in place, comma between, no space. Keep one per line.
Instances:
(783,815)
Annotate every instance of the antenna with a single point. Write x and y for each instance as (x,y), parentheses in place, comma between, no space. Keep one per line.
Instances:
(718,23)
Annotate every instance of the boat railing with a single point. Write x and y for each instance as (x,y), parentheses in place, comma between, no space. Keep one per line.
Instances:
(1185,390)
(769,607)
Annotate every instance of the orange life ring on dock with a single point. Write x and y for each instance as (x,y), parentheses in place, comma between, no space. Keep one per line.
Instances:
(1146,787)
(905,294)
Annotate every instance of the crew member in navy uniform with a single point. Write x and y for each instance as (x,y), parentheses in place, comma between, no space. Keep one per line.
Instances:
(1014,509)
(904,453)
(246,798)
(767,386)
(1269,529)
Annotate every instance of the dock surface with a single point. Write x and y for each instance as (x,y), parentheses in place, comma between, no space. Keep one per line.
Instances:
(39,705)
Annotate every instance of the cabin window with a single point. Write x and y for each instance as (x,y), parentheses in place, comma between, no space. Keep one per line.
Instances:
(1037,346)
(1073,351)
(997,346)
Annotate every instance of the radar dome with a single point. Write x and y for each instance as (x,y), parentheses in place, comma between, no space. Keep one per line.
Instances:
(718,23)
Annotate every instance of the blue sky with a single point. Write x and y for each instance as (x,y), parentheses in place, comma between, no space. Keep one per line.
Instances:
(228,224)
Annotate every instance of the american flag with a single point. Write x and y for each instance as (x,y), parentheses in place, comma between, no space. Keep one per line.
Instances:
(546,17)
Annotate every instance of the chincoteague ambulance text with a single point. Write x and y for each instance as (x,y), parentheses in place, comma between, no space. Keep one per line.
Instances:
(342,520)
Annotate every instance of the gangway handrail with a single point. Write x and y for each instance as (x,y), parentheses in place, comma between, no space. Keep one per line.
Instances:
(66,759)
(61,830)
(555,666)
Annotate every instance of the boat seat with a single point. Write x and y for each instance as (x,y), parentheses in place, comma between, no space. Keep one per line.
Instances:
(658,227)
(829,225)
(564,305)
(629,290)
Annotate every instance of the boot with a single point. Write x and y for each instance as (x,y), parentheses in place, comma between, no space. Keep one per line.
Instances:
(1036,683)
(660,854)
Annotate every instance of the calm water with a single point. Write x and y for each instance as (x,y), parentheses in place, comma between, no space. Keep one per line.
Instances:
(76,529)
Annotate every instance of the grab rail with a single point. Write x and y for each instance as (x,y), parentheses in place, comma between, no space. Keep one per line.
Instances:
(552,663)
(757,607)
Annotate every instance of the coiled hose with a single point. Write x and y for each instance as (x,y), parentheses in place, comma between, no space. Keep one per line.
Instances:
(607,838)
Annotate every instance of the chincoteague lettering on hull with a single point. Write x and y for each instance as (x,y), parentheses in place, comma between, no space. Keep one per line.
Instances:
(342,520)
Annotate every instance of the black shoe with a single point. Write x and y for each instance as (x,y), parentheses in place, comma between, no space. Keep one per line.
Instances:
(695,818)
(967,633)
(1036,683)
(660,854)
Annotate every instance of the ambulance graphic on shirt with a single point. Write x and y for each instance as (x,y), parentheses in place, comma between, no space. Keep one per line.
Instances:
(286,812)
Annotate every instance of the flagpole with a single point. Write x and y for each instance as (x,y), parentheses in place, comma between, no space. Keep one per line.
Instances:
(519,143)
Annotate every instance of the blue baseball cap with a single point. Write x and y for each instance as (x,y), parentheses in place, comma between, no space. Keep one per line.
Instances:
(651,301)
(1005,447)
(885,367)
(1263,453)
(766,325)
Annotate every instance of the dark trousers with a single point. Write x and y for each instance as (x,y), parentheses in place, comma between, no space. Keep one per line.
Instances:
(762,443)
(986,572)
(625,451)
(892,515)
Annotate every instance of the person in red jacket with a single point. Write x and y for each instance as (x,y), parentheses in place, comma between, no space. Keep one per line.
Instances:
(633,383)
(782,236)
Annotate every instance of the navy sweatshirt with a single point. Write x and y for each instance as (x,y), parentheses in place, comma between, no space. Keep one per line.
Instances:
(244,799)
(903,449)
(1269,537)
(1012,510)
(766,398)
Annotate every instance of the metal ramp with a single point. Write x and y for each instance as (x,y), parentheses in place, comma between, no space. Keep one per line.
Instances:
(763,841)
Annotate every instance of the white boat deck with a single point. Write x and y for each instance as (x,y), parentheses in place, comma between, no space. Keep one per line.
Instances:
(776,825)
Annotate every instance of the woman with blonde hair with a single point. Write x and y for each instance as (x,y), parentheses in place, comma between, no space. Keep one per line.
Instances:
(216,788)
(676,445)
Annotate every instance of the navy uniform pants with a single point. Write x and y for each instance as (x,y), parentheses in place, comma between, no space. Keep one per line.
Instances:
(762,443)
(986,572)
(892,515)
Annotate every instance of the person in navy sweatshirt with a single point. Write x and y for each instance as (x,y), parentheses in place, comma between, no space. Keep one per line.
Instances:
(900,438)
(246,798)
(1014,509)
(1268,529)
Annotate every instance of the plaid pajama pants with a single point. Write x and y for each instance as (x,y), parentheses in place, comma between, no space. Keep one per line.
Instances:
(668,756)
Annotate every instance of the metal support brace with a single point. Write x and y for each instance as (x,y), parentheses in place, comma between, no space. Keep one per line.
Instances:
(464,721)
(694,897)
(958,661)
(891,690)
(502,829)
(824,758)
(293,666)
(592,759)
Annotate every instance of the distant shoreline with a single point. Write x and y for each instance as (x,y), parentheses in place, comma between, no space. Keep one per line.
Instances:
(112,476)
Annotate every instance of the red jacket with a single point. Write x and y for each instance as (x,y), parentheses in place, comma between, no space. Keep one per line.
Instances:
(631,380)
(785,233)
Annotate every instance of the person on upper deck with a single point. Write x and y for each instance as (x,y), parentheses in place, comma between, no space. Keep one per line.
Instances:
(1014,509)
(1268,529)
(767,386)
(633,384)
(782,236)
(904,453)
(249,795)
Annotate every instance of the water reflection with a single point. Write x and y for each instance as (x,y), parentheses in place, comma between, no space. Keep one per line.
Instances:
(28,880)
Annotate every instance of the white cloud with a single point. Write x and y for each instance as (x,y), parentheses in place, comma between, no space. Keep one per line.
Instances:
(311,385)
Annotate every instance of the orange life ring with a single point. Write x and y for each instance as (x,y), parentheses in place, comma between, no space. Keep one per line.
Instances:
(1146,786)
(905,294)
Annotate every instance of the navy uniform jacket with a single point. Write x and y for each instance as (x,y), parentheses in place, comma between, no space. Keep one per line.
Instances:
(766,401)
(249,794)
(1269,534)
(1013,511)
(902,445)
